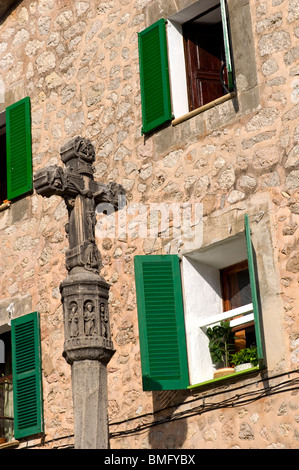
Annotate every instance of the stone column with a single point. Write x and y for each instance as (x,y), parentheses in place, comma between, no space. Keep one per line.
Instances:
(89,382)
(88,348)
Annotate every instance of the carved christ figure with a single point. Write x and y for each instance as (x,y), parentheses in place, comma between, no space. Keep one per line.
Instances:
(73,320)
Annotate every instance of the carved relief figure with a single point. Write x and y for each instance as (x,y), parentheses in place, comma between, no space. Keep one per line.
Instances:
(70,204)
(84,149)
(91,221)
(104,320)
(89,318)
(73,320)
(92,258)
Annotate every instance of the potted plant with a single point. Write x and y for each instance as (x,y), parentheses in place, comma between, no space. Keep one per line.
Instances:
(245,358)
(221,345)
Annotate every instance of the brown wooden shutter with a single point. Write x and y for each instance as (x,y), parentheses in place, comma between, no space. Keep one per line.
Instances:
(204,53)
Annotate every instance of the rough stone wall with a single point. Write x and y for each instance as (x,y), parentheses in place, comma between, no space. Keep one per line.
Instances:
(78,62)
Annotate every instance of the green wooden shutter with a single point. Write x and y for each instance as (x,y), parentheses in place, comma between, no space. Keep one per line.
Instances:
(18,148)
(254,292)
(227,45)
(161,322)
(27,376)
(154,76)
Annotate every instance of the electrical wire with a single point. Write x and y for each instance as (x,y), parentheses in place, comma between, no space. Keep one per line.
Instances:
(44,442)
(218,392)
(239,399)
(235,401)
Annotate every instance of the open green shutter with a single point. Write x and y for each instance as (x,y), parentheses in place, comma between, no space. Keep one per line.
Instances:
(18,148)
(154,76)
(254,293)
(227,45)
(161,322)
(27,376)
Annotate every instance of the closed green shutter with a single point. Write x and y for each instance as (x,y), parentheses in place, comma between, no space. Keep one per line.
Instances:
(154,76)
(254,291)
(161,322)
(18,149)
(27,376)
(227,45)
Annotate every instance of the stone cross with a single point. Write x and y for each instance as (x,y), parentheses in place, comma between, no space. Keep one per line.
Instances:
(84,293)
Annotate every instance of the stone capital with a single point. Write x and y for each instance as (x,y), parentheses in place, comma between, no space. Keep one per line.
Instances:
(86,318)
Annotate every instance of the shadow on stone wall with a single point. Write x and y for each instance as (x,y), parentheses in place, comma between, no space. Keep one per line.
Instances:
(172,432)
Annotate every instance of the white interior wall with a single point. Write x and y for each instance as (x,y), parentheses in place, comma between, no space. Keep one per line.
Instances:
(202,298)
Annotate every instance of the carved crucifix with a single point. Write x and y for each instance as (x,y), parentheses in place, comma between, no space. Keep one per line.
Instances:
(88,346)
(81,194)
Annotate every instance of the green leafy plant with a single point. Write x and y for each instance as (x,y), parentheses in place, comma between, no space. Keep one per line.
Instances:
(245,355)
(221,343)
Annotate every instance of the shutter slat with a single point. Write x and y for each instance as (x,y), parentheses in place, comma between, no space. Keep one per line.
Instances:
(154,76)
(27,377)
(18,149)
(161,322)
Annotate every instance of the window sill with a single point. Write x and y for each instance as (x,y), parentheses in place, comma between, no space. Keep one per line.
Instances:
(9,445)
(200,110)
(225,378)
(5,206)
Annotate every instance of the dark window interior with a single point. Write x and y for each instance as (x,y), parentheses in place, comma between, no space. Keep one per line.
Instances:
(5,379)
(3,167)
(6,368)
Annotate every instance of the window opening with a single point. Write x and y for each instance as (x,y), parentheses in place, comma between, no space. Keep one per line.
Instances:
(3,172)
(206,71)
(6,390)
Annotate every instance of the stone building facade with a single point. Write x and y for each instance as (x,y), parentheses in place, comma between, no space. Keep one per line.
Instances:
(78,62)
